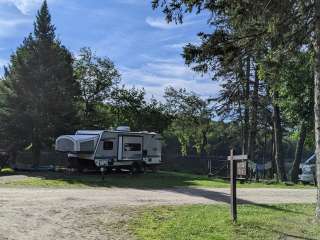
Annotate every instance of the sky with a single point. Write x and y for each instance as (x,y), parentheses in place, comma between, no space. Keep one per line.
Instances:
(145,49)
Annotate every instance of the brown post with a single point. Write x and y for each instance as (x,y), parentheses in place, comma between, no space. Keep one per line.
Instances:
(233,184)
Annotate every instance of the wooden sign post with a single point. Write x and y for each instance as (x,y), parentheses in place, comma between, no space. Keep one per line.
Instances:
(233,182)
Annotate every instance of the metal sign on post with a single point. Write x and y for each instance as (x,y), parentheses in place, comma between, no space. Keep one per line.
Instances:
(233,181)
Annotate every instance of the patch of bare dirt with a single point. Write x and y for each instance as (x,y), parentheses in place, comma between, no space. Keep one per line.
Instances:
(65,214)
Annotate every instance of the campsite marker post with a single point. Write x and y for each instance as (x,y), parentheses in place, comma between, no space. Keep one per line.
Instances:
(233,182)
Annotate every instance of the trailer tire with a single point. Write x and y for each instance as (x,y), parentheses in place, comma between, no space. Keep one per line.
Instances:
(143,168)
(154,168)
(135,168)
(74,163)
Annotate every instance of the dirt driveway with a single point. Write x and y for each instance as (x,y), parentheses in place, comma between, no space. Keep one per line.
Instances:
(27,214)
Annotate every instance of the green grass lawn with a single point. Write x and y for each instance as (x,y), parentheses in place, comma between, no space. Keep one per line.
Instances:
(147,180)
(212,222)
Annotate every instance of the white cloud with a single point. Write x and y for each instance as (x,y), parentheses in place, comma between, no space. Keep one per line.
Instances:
(9,27)
(176,45)
(3,62)
(162,24)
(180,45)
(12,21)
(5,23)
(170,69)
(155,76)
(24,6)
(134,2)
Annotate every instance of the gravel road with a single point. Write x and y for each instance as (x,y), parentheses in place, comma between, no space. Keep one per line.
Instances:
(33,213)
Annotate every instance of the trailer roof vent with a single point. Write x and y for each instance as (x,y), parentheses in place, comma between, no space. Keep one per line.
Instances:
(123,128)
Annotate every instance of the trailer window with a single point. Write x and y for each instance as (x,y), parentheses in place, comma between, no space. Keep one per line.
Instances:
(132,147)
(107,145)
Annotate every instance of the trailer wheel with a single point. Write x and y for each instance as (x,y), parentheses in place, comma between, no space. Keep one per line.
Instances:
(143,168)
(74,163)
(135,168)
(154,168)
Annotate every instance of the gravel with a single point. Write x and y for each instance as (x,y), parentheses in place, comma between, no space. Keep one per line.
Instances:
(46,213)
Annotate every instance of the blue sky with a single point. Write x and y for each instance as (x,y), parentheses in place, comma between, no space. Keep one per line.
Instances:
(145,49)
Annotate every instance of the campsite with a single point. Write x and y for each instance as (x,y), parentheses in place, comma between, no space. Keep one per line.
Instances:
(159,120)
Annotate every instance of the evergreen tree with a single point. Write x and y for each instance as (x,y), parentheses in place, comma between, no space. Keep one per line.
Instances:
(282,26)
(41,90)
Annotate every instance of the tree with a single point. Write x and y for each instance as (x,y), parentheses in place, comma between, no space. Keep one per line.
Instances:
(296,100)
(40,89)
(285,25)
(154,117)
(97,78)
(126,105)
(191,119)
(235,60)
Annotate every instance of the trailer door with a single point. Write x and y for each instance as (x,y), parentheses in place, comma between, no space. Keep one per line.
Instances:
(130,148)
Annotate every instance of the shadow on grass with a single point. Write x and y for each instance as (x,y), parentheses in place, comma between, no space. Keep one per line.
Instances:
(284,235)
(223,197)
(148,180)
(173,182)
(282,209)
(220,197)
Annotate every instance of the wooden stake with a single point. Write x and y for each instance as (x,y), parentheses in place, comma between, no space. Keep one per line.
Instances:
(233,185)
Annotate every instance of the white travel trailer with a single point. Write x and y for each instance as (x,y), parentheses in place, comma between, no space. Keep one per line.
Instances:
(111,149)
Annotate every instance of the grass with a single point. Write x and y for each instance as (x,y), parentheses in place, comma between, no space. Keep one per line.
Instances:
(148,180)
(4,171)
(204,222)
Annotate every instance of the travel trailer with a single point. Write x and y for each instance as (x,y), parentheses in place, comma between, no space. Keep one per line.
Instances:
(308,170)
(111,149)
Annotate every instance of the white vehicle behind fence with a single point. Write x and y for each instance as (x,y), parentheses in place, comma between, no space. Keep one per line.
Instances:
(308,170)
(111,149)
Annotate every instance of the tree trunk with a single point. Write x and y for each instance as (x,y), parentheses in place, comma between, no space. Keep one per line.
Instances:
(246,107)
(254,113)
(241,126)
(204,143)
(298,153)
(273,159)
(278,140)
(317,99)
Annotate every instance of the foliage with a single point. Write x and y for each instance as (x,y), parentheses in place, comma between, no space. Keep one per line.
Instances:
(129,107)
(192,118)
(272,35)
(296,89)
(39,89)
(97,78)
(126,105)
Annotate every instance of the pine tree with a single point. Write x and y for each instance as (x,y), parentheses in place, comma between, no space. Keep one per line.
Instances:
(282,26)
(41,103)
